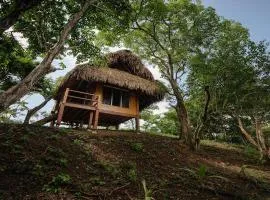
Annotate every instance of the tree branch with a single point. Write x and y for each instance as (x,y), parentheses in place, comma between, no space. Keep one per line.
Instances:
(245,133)
(32,111)
(46,120)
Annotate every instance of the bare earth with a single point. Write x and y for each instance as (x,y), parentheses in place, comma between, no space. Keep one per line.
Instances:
(45,163)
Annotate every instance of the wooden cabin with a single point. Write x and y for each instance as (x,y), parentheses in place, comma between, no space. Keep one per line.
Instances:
(107,95)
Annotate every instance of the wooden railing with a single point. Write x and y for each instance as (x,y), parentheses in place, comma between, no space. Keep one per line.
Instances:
(82,98)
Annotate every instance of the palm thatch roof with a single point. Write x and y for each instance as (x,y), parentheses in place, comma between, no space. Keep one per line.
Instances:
(125,60)
(121,72)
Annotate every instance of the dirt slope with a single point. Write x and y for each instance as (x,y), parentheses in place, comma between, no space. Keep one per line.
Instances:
(45,163)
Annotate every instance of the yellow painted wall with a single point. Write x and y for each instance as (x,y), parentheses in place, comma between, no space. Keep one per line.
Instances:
(132,110)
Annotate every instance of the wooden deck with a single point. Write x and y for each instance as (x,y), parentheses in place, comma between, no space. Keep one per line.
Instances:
(79,108)
(80,101)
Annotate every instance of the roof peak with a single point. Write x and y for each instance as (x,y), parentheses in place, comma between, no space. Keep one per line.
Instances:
(126,60)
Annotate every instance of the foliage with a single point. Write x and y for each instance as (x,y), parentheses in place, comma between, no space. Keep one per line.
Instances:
(237,71)
(111,169)
(132,175)
(57,182)
(14,113)
(15,62)
(202,171)
(167,34)
(165,123)
(251,152)
(137,147)
(41,26)
(131,171)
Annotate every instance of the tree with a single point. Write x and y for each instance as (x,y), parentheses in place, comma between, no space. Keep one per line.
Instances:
(12,10)
(168,123)
(238,75)
(44,22)
(165,123)
(14,113)
(167,33)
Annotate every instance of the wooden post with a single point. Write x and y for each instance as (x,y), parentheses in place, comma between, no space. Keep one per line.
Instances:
(90,119)
(52,123)
(54,110)
(137,118)
(96,119)
(62,107)
(65,95)
(60,114)
(81,124)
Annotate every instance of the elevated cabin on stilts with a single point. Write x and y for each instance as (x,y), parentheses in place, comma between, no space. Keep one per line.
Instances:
(106,95)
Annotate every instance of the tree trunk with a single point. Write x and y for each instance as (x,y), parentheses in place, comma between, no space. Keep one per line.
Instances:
(198,131)
(16,92)
(32,111)
(260,144)
(179,128)
(182,115)
(18,9)
(246,134)
(264,150)
(46,120)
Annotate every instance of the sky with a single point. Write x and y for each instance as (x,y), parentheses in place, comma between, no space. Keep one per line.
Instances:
(252,14)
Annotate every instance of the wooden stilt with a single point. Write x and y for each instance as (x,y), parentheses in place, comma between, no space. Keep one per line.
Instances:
(137,119)
(60,114)
(90,119)
(117,127)
(62,107)
(96,119)
(52,123)
(81,124)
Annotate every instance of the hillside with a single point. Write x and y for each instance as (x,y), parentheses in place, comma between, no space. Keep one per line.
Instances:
(45,163)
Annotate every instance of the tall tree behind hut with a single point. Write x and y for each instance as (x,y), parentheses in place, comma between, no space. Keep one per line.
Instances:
(167,34)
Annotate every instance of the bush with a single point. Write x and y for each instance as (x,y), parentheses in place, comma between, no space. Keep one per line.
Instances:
(137,147)
(57,182)
(251,152)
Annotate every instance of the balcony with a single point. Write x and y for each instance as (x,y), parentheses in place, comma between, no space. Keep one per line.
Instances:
(78,99)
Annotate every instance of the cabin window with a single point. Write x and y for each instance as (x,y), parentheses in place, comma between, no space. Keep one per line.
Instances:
(115,97)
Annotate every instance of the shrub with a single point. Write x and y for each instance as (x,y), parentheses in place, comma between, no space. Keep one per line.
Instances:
(137,147)
(57,182)
(132,175)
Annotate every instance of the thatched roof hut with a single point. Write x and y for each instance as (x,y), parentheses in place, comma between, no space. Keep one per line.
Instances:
(125,70)
(134,87)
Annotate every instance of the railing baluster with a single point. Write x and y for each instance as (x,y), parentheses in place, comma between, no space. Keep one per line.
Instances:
(93,99)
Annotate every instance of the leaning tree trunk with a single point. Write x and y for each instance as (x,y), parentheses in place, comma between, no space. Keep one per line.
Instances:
(32,111)
(16,92)
(182,115)
(246,135)
(46,120)
(260,144)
